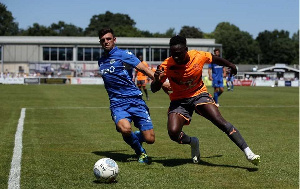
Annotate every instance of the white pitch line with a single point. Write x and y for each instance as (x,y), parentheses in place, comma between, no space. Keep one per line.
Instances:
(15,170)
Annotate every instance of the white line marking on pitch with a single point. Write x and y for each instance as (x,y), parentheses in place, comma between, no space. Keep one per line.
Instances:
(15,170)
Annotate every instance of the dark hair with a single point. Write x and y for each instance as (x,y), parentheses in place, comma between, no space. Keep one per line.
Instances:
(105,31)
(177,40)
(217,50)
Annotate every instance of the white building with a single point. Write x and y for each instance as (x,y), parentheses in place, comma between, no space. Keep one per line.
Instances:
(71,55)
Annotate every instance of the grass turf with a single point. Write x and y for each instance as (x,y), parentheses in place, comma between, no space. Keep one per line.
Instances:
(68,128)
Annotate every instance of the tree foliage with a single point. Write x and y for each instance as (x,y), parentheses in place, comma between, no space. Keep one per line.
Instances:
(191,32)
(121,23)
(238,46)
(277,47)
(38,30)
(7,24)
(63,29)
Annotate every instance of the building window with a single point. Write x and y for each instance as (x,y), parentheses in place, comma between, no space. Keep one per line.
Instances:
(69,53)
(46,53)
(62,53)
(156,54)
(80,54)
(96,53)
(148,54)
(57,53)
(138,51)
(89,53)
(54,53)
(159,54)
(164,53)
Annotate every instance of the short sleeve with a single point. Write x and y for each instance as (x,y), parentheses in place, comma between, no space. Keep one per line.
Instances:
(129,58)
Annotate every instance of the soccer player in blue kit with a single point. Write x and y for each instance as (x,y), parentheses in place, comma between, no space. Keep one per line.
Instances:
(216,74)
(126,103)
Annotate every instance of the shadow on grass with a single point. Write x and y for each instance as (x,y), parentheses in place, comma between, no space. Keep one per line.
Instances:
(178,162)
(99,182)
(122,157)
(116,155)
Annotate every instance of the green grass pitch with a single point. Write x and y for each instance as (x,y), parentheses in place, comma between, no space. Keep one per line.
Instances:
(68,128)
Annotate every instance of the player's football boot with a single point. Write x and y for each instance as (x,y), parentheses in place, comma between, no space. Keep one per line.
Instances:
(195,151)
(254,159)
(143,158)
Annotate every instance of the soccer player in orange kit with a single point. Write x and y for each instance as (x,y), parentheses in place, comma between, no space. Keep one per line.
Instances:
(184,72)
(141,78)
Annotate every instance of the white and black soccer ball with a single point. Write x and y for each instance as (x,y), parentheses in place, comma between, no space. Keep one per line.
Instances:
(106,170)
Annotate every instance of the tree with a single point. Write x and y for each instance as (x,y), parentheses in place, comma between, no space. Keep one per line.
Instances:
(277,47)
(169,33)
(238,46)
(295,39)
(7,24)
(191,32)
(63,29)
(38,30)
(122,24)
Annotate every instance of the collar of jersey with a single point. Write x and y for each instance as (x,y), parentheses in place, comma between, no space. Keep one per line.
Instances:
(113,50)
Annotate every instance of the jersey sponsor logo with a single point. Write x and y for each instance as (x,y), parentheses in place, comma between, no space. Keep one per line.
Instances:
(112,61)
(128,52)
(189,83)
(109,70)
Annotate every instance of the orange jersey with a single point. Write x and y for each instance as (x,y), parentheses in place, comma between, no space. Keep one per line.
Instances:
(140,75)
(186,80)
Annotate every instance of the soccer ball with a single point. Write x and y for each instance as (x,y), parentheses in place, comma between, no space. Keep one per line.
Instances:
(106,170)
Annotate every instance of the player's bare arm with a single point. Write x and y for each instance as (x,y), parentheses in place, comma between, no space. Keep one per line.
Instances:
(223,62)
(210,74)
(142,68)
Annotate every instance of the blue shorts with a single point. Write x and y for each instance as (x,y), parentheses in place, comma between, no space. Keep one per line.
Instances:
(134,110)
(218,83)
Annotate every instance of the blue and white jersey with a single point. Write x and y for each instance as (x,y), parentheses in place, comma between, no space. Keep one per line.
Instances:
(217,71)
(117,81)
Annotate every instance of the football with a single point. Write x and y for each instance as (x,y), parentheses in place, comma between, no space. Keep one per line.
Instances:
(106,170)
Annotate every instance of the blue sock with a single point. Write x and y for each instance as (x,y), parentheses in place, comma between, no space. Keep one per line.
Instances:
(216,95)
(140,136)
(134,142)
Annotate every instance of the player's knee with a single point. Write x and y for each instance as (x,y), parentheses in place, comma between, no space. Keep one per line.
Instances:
(150,140)
(124,129)
(174,135)
(149,136)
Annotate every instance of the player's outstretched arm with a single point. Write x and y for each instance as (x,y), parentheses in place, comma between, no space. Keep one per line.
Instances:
(224,62)
(146,70)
